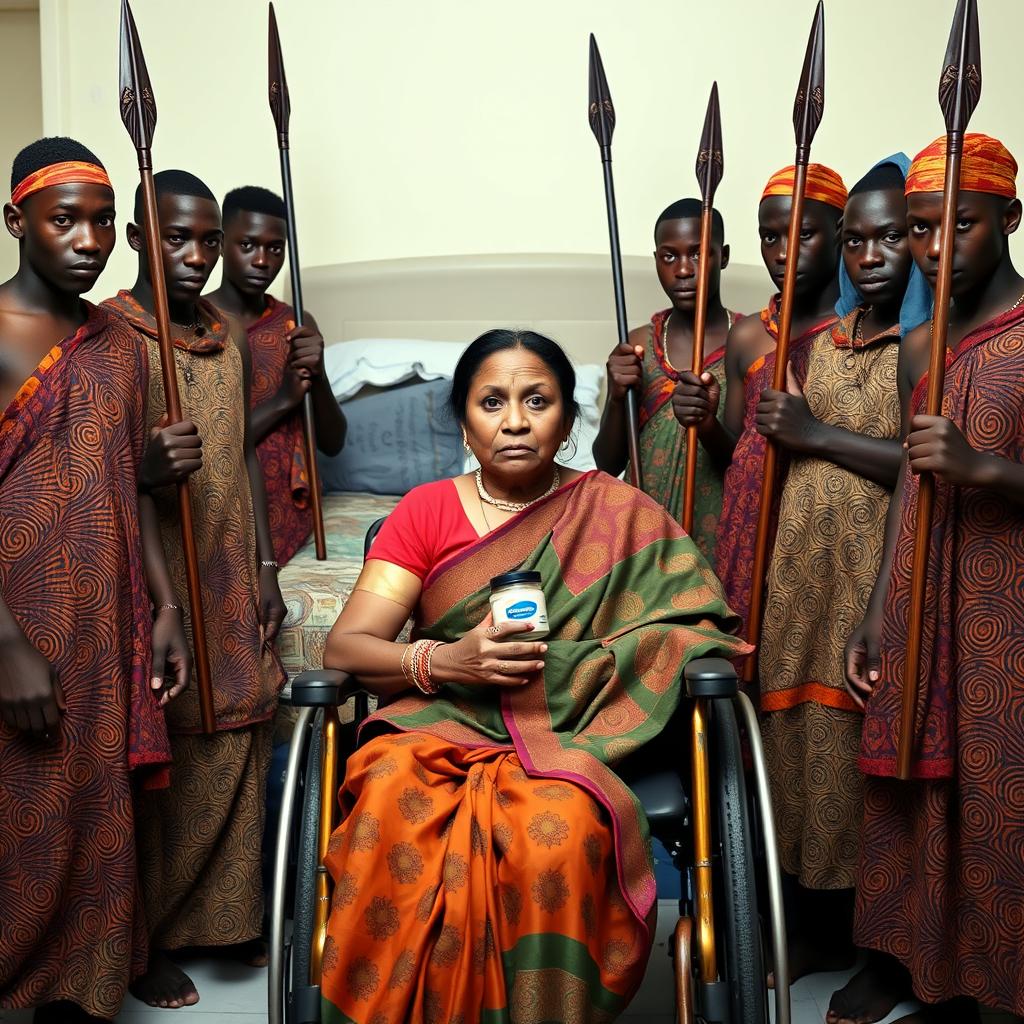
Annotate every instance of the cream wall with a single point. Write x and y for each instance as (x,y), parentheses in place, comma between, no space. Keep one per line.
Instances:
(459,126)
(21,118)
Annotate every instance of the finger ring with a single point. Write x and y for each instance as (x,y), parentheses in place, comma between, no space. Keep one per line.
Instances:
(503,668)
(493,630)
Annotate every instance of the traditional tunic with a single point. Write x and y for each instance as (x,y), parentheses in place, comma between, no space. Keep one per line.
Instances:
(72,575)
(737,525)
(282,452)
(941,885)
(199,842)
(824,564)
(663,440)
(491,866)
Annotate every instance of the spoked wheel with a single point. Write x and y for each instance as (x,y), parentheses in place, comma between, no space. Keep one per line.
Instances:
(305,871)
(738,924)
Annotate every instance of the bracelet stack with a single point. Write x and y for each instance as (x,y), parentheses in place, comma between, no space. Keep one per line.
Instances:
(416,660)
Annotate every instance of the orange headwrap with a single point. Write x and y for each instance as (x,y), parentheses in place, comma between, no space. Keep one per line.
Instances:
(823,184)
(65,173)
(987,167)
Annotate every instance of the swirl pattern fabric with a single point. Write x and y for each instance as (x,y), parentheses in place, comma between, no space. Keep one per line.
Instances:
(247,675)
(737,525)
(282,452)
(72,575)
(824,562)
(942,880)
(663,440)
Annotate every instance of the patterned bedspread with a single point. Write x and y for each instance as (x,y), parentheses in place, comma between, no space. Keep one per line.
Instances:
(315,592)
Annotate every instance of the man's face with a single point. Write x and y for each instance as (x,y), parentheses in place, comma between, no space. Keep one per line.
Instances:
(67,233)
(254,249)
(818,258)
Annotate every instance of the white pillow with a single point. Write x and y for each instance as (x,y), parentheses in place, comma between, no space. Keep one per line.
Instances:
(382,362)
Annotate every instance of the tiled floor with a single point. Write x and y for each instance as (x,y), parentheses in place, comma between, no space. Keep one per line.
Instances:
(238,995)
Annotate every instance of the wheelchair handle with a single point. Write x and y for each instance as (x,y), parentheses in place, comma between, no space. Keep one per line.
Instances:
(713,678)
(321,688)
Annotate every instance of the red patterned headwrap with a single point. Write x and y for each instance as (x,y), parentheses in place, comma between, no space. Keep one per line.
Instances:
(987,167)
(67,172)
(823,184)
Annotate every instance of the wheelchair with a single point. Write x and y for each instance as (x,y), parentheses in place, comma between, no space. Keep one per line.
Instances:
(713,832)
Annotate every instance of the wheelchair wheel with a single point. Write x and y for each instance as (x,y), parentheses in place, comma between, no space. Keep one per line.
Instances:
(306,862)
(742,962)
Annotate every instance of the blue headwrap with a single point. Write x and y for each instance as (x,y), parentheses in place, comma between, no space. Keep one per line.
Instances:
(917,299)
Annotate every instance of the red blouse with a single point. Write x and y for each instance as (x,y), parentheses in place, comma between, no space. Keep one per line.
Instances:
(426,527)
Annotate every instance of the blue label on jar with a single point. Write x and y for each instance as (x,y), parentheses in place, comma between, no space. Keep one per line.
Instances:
(521,610)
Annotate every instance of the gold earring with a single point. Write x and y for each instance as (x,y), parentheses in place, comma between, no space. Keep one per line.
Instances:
(465,442)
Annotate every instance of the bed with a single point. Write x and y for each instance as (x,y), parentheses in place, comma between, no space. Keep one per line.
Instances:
(399,308)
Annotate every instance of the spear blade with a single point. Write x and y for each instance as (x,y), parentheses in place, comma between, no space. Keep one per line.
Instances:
(138,107)
(709,157)
(810,93)
(602,112)
(960,82)
(280,103)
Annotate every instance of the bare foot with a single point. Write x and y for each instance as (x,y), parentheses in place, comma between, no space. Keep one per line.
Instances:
(65,1012)
(805,958)
(871,994)
(165,985)
(252,953)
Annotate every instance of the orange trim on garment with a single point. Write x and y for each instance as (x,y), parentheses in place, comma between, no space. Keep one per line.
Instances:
(65,173)
(817,693)
(32,384)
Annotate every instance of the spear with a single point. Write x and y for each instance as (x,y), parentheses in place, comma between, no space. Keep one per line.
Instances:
(602,123)
(138,112)
(807,111)
(281,108)
(959,92)
(709,175)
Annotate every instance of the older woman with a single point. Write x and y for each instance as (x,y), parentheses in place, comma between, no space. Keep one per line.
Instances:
(491,866)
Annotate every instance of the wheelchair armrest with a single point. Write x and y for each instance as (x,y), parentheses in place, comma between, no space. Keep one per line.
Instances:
(711,677)
(322,688)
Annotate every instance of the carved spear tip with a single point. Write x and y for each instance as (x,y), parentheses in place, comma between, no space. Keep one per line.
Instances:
(138,106)
(601,111)
(810,94)
(960,82)
(280,104)
(709,156)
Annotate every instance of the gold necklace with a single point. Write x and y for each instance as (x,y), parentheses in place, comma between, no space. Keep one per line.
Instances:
(512,506)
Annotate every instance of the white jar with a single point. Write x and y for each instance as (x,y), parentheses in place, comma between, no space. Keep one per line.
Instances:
(518,597)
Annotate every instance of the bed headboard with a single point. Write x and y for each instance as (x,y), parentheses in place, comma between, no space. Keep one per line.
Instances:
(455,298)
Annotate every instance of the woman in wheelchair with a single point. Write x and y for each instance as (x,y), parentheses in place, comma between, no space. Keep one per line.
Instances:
(490,865)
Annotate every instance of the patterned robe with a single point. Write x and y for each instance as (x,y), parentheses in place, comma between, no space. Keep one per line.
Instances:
(824,563)
(282,452)
(941,885)
(737,525)
(72,575)
(663,440)
(199,842)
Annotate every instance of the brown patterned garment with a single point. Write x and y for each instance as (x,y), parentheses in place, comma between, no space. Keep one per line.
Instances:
(199,843)
(827,550)
(247,675)
(282,452)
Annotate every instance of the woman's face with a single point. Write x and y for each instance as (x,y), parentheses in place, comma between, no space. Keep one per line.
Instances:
(515,417)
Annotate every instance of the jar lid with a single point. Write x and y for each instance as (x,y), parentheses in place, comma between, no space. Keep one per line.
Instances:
(507,579)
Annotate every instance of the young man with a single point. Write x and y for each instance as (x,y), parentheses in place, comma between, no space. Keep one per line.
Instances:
(940,892)
(750,357)
(287,362)
(199,841)
(657,358)
(841,432)
(83,654)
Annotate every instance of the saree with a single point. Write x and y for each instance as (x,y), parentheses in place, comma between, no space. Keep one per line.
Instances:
(73,577)
(663,440)
(824,564)
(282,452)
(514,840)
(941,885)
(737,524)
